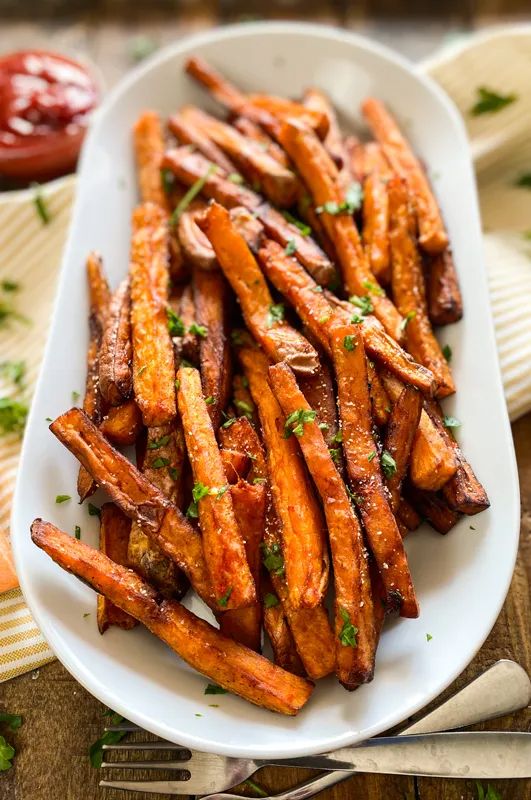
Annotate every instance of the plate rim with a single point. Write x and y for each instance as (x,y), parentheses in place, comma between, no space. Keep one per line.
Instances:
(83,674)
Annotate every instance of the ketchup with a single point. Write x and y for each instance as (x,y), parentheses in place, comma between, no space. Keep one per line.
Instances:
(45,104)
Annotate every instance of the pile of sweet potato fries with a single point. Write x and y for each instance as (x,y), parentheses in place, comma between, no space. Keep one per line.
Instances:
(272,357)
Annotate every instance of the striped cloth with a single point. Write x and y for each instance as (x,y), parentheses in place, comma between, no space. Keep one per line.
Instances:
(31,254)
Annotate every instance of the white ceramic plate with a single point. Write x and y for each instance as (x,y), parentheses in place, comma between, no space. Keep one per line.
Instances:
(461,579)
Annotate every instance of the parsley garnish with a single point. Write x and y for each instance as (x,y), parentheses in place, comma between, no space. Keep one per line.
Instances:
(191,194)
(156,444)
(291,247)
(222,601)
(295,422)
(272,558)
(75,397)
(317,289)
(356,319)
(524,180)
(364,303)
(13,415)
(94,511)
(199,330)
(174,473)
(160,462)
(175,323)
(447,352)
(490,794)
(230,421)
(351,203)
(40,205)
(62,498)
(109,737)
(236,337)
(349,343)
(490,102)
(13,371)
(271,600)
(371,455)
(373,288)
(10,286)
(275,314)
(429,637)
(338,437)
(210,400)
(407,319)
(213,688)
(357,498)
(198,492)
(303,228)
(388,464)
(335,454)
(451,422)
(221,491)
(177,383)
(259,480)
(141,47)
(167,180)
(13,721)
(235,177)
(7,312)
(347,634)
(77,532)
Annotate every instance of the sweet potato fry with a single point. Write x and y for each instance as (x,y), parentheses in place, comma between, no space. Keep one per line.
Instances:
(281,108)
(188,131)
(303,535)
(227,663)
(463,492)
(253,131)
(196,248)
(279,184)
(186,342)
(149,149)
(376,212)
(244,624)
(363,466)
(248,226)
(136,496)
(99,298)
(242,400)
(432,459)
(355,649)
(212,309)
(122,424)
(380,402)
(116,352)
(114,538)
(264,319)
(320,175)
(445,304)
(318,389)
(282,642)
(316,100)
(399,437)
(409,290)
(153,361)
(433,237)
(236,464)
(223,543)
(434,508)
(407,515)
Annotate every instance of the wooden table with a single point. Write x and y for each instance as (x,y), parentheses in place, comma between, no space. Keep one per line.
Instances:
(61,719)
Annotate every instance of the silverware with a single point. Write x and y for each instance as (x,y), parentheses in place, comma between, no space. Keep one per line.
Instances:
(503,688)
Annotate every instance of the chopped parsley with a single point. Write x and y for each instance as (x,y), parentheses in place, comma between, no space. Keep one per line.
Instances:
(9,286)
(198,492)
(388,464)
(447,352)
(371,455)
(13,415)
(338,437)
(75,397)
(271,600)
(364,303)
(429,637)
(524,180)
(160,462)
(173,473)
(275,314)
(351,203)
(13,721)
(272,558)
(213,688)
(236,337)
(221,491)
(167,180)
(295,421)
(373,288)
(407,319)
(195,189)
(291,247)
(13,371)
(210,400)
(489,102)
(230,421)
(198,330)
(77,532)
(451,422)
(356,319)
(8,313)
(357,498)
(40,205)
(109,737)
(335,454)
(318,289)
(62,498)
(489,794)
(260,480)
(349,343)
(94,511)
(347,634)
(303,228)
(141,47)
(222,601)
(156,444)
(235,177)
(175,323)
(246,408)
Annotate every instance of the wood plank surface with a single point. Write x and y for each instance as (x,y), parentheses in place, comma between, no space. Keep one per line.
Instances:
(61,719)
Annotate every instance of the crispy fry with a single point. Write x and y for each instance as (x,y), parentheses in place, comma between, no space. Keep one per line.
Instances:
(409,290)
(153,362)
(223,543)
(212,309)
(279,184)
(248,226)
(265,320)
(136,496)
(243,437)
(302,523)
(432,459)
(282,642)
(187,345)
(188,131)
(318,389)
(434,508)
(463,492)
(244,624)
(253,131)
(195,246)
(242,400)
(318,101)
(399,437)
(114,537)
(445,304)
(376,212)
(353,599)
(363,466)
(320,175)
(149,150)
(227,663)
(236,464)
(122,424)
(281,108)
(407,515)
(99,298)
(380,402)
(403,161)
(116,352)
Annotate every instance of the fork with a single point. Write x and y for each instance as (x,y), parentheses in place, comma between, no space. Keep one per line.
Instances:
(503,688)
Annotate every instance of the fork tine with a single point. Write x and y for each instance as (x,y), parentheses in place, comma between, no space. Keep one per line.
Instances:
(150,787)
(129,727)
(148,746)
(178,765)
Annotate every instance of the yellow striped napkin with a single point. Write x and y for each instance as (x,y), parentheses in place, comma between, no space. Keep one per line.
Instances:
(31,253)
